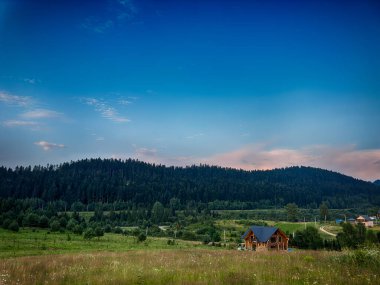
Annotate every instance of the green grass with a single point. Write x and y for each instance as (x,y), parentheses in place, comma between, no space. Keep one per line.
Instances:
(190,266)
(40,242)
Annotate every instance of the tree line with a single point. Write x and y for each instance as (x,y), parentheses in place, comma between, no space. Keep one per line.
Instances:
(110,181)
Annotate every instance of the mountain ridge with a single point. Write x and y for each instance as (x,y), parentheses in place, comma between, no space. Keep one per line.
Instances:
(109,180)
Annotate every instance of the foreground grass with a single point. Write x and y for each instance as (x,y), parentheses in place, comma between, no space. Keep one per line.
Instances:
(41,242)
(187,266)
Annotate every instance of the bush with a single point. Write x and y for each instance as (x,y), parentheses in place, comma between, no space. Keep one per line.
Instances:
(13,226)
(55,226)
(171,242)
(108,228)
(141,237)
(89,234)
(63,222)
(44,222)
(71,224)
(99,232)
(78,230)
(117,230)
(31,220)
(6,223)
(187,235)
(362,257)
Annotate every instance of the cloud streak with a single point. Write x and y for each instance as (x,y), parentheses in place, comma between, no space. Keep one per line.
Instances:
(41,114)
(21,101)
(105,110)
(48,146)
(19,123)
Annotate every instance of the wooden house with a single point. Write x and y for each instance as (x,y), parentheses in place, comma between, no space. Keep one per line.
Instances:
(367,221)
(260,238)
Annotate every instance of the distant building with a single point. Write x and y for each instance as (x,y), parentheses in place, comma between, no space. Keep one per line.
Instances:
(351,221)
(261,238)
(364,219)
(339,221)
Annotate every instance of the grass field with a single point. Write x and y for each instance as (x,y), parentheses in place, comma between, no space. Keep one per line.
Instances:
(38,257)
(40,242)
(187,266)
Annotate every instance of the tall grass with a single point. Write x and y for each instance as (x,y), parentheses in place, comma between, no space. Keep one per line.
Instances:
(187,266)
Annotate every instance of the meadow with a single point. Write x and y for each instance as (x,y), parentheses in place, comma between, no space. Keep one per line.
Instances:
(29,242)
(40,256)
(189,266)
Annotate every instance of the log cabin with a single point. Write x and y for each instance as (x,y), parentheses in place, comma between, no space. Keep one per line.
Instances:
(259,238)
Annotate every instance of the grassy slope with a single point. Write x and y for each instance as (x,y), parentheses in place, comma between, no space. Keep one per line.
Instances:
(39,242)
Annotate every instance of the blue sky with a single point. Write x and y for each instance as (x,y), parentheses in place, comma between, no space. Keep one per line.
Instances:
(245,84)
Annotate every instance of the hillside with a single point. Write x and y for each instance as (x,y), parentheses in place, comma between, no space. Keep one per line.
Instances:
(377,182)
(97,180)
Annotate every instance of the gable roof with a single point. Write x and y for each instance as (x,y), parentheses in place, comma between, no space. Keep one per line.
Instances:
(365,217)
(262,233)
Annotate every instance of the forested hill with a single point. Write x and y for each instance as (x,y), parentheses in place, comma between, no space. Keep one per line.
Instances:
(97,180)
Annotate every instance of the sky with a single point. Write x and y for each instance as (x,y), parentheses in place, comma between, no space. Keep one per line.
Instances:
(242,84)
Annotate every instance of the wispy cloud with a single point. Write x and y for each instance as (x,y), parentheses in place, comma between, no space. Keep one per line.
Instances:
(125,102)
(48,146)
(41,113)
(115,13)
(22,101)
(30,80)
(105,110)
(194,136)
(145,152)
(19,123)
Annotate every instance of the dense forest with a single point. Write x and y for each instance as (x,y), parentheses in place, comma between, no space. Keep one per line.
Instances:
(139,183)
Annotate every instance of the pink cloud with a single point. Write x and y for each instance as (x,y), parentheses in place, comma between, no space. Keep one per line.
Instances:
(362,164)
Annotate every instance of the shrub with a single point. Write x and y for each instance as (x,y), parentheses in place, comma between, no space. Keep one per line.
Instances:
(63,222)
(78,230)
(117,230)
(31,220)
(6,223)
(71,224)
(13,226)
(99,232)
(44,222)
(362,257)
(141,237)
(108,228)
(55,226)
(89,234)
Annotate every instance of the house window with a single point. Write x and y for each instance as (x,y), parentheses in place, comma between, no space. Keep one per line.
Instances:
(273,239)
(280,239)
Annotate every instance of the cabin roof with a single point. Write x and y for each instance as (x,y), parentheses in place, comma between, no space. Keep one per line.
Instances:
(365,217)
(262,233)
